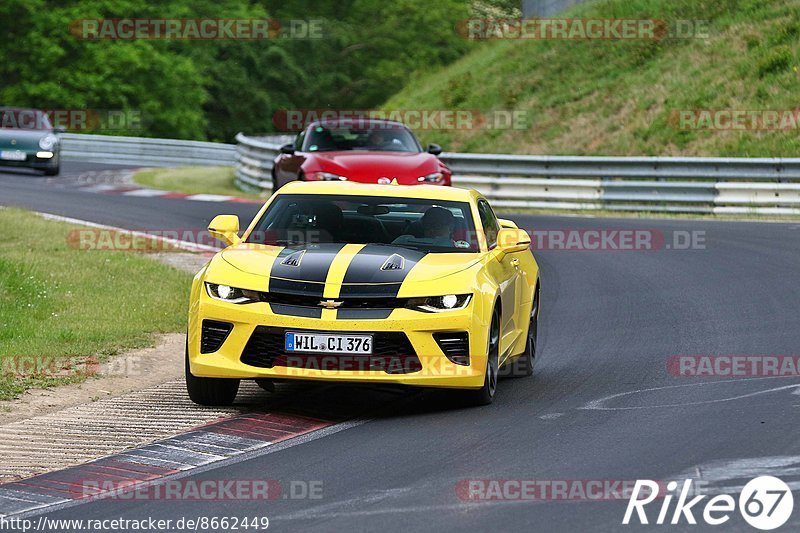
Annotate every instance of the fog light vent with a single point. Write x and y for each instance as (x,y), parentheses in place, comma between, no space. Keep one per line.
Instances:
(454,345)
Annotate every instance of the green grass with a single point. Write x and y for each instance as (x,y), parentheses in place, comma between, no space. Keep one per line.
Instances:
(61,307)
(616,97)
(193,180)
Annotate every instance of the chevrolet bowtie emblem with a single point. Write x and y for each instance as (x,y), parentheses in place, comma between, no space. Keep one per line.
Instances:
(330,304)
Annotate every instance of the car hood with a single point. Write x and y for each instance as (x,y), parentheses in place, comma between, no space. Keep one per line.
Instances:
(369,166)
(354,269)
(28,140)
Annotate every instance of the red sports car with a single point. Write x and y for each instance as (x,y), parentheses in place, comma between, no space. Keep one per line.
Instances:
(366,151)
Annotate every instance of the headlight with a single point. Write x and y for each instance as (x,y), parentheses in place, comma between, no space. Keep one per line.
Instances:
(436,177)
(327,176)
(47,142)
(440,304)
(232,295)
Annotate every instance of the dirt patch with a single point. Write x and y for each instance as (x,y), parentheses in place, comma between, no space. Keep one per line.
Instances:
(132,371)
(189,262)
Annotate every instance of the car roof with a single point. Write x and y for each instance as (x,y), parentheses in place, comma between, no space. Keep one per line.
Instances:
(431,192)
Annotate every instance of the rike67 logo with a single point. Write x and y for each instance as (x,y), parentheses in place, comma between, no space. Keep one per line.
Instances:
(766,503)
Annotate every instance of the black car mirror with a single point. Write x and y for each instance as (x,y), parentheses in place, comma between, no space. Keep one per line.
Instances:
(434,149)
(288,149)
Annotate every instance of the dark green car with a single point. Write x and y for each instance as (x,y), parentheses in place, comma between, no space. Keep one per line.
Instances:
(27,139)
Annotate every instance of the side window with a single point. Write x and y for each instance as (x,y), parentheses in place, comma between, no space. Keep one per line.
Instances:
(489,223)
(298,142)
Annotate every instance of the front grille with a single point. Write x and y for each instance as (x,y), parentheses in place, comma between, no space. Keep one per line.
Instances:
(454,345)
(392,353)
(213,335)
(347,303)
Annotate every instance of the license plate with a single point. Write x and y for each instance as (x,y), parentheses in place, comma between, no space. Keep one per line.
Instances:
(328,343)
(13,155)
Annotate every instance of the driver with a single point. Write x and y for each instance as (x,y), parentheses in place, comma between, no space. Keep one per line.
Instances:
(438,224)
(380,140)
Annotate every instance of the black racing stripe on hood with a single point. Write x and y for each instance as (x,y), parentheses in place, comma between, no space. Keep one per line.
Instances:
(310,275)
(366,264)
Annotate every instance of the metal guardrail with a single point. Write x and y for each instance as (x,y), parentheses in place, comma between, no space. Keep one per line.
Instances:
(139,151)
(645,184)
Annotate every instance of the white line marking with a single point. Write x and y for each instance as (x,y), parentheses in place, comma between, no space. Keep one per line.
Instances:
(209,198)
(597,405)
(145,193)
(551,416)
(101,187)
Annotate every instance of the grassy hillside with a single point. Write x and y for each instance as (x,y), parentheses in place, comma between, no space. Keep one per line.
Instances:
(616,97)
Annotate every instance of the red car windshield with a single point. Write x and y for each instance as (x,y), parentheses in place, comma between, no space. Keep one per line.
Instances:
(24,119)
(379,138)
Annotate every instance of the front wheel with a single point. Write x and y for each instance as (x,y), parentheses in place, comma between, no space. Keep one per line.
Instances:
(485,395)
(210,392)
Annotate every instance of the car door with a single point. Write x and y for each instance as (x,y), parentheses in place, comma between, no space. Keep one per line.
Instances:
(505,271)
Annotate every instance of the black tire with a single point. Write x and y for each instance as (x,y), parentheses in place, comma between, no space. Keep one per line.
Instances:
(52,171)
(210,392)
(485,395)
(523,365)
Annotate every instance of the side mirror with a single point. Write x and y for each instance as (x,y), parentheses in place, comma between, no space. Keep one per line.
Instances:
(434,149)
(288,149)
(59,129)
(225,228)
(510,240)
(506,223)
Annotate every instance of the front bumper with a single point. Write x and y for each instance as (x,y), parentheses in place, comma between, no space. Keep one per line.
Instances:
(436,369)
(31,161)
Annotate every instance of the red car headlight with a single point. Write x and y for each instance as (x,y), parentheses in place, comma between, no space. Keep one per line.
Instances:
(436,177)
(327,176)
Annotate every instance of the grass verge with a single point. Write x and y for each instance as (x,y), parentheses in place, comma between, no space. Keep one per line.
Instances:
(193,180)
(62,309)
(623,97)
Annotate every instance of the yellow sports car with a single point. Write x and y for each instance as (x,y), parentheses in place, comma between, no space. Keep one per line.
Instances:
(347,282)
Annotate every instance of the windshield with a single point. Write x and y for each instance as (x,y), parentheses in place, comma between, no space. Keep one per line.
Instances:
(377,137)
(420,224)
(24,119)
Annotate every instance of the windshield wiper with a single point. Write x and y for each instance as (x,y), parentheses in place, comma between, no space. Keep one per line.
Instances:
(281,242)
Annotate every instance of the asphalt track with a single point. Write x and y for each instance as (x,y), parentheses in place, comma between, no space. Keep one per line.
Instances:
(610,322)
